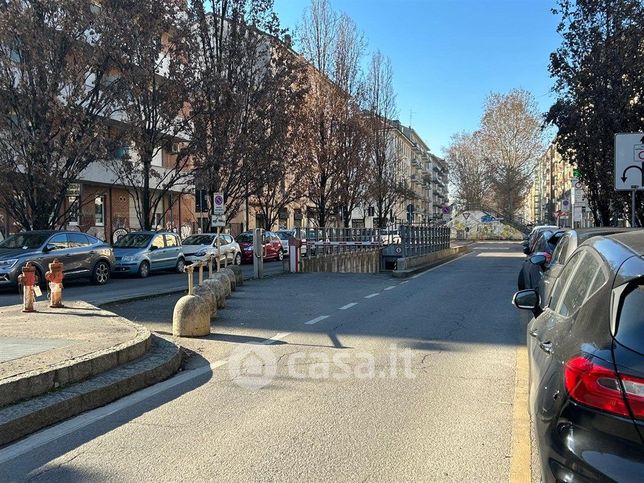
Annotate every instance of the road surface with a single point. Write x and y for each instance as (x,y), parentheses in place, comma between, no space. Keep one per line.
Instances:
(317,377)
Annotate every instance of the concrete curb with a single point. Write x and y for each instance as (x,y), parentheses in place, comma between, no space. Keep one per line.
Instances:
(161,362)
(35,383)
(461,250)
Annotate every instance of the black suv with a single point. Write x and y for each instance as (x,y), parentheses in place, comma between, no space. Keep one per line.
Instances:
(586,352)
(82,255)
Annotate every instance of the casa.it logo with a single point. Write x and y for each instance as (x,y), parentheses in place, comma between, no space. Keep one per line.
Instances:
(252,366)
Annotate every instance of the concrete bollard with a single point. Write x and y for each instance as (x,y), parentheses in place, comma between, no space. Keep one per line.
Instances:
(191,317)
(239,276)
(219,290)
(206,292)
(224,280)
(231,276)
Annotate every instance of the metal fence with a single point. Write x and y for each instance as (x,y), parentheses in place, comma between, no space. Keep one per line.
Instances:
(423,239)
(329,240)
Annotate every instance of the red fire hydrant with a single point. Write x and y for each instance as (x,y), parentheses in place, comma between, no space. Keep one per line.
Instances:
(55,278)
(28,280)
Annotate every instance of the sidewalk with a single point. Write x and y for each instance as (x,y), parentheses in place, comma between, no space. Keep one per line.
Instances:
(50,348)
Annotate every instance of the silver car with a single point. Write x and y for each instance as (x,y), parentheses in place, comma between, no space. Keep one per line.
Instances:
(200,247)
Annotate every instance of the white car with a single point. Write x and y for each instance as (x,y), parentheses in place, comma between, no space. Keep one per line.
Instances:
(199,247)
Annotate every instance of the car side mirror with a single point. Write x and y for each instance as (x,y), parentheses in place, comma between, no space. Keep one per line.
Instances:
(526,250)
(154,247)
(538,260)
(527,300)
(49,247)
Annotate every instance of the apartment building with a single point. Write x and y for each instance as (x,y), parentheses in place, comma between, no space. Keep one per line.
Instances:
(556,195)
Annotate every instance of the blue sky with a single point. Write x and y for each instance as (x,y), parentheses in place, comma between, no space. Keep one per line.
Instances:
(448,55)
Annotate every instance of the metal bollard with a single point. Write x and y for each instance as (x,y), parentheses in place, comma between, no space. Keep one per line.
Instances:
(201,273)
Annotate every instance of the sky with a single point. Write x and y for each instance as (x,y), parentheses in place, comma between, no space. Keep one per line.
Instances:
(449,55)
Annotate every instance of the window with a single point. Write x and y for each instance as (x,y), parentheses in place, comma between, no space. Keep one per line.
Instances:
(99,210)
(77,240)
(74,209)
(587,278)
(58,242)
(158,241)
(631,317)
(559,255)
(171,241)
(563,279)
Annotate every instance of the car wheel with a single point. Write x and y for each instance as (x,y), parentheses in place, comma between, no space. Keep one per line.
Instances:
(238,259)
(101,273)
(144,269)
(280,255)
(181,265)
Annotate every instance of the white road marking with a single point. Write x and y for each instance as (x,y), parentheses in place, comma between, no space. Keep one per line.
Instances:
(391,287)
(490,248)
(60,430)
(500,255)
(348,306)
(446,263)
(372,295)
(316,320)
(404,281)
(275,338)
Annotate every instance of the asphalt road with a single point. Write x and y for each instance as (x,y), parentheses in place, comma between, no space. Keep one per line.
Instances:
(124,286)
(318,377)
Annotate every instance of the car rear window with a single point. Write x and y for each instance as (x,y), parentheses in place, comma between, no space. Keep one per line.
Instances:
(630,328)
(245,238)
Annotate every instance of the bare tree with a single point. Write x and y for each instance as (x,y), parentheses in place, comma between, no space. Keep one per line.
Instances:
(237,70)
(386,184)
(281,148)
(151,67)
(53,104)
(469,170)
(511,137)
(337,157)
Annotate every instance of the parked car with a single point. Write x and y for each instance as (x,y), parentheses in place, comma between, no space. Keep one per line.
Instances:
(531,239)
(272,246)
(531,271)
(82,255)
(143,252)
(549,270)
(586,353)
(200,247)
(284,236)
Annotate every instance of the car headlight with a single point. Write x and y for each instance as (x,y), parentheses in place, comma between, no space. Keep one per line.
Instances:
(248,249)
(129,258)
(6,264)
(201,253)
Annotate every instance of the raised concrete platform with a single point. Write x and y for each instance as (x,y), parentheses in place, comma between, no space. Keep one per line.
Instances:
(57,363)
(405,267)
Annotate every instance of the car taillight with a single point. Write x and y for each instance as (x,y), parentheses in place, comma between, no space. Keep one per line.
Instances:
(599,387)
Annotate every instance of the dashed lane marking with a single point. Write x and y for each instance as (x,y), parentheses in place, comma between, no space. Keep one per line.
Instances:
(348,306)
(316,320)
(391,287)
(372,295)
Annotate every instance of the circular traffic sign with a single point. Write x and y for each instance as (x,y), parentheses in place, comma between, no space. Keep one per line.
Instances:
(219,200)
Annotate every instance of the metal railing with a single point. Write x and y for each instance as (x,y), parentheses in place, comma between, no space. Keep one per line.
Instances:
(330,240)
(423,239)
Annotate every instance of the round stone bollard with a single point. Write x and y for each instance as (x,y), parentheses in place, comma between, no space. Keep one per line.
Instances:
(207,293)
(191,317)
(225,281)
(231,276)
(219,290)
(239,276)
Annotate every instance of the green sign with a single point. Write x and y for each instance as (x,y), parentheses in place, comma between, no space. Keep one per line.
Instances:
(576,173)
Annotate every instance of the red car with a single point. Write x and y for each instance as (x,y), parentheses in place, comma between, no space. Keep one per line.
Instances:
(273,249)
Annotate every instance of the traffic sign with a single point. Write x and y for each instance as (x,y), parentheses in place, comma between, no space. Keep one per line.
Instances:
(446,210)
(218,221)
(466,215)
(218,206)
(629,162)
